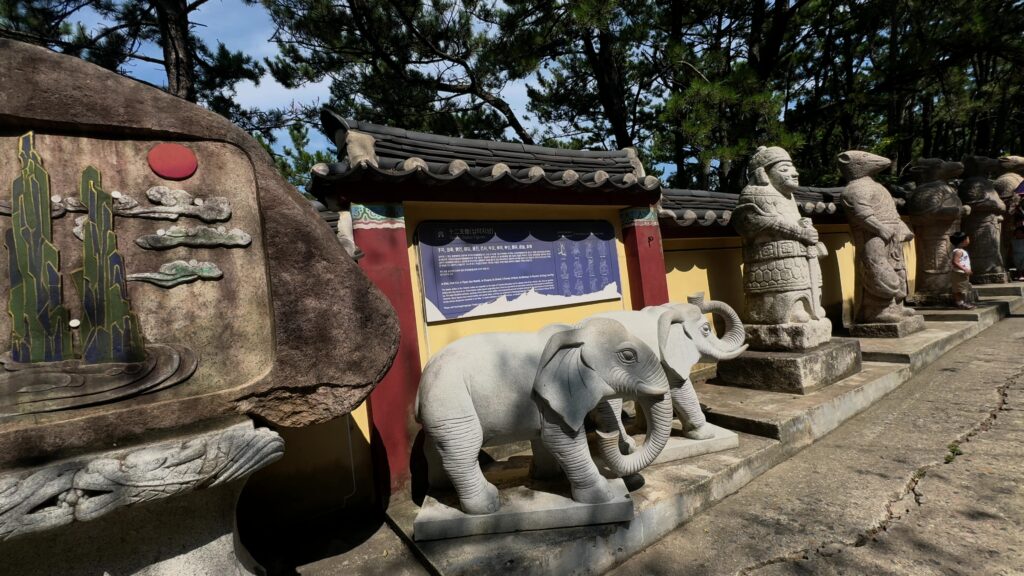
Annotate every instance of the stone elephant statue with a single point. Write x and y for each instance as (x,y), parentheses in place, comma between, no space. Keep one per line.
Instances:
(497,388)
(681,335)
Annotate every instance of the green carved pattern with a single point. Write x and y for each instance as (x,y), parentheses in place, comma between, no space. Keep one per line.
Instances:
(39,321)
(111,331)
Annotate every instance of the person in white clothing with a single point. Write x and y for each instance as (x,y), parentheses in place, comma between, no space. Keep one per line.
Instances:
(960,274)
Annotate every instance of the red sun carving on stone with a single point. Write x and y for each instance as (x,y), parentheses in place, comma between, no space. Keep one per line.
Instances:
(172,161)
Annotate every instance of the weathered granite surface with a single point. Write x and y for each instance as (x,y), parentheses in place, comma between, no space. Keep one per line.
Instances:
(292,333)
(984,222)
(935,212)
(782,276)
(799,372)
(878,237)
(1006,185)
(903,327)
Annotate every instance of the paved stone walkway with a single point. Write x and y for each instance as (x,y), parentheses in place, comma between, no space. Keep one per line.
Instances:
(927,481)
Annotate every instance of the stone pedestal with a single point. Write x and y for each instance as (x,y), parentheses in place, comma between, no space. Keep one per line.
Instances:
(795,372)
(790,336)
(535,507)
(193,534)
(992,278)
(679,447)
(156,509)
(904,327)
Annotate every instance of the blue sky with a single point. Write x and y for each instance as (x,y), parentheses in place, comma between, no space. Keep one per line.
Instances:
(249,29)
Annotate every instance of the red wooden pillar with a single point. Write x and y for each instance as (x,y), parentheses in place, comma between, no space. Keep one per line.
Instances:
(379,231)
(645,258)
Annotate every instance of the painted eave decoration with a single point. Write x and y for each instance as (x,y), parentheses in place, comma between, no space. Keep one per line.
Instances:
(402,164)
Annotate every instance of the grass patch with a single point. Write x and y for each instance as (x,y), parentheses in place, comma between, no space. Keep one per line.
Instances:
(954,451)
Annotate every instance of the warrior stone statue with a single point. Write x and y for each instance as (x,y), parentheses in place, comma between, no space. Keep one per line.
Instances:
(878,237)
(782,276)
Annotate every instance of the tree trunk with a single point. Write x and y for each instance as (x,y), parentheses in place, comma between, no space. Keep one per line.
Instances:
(611,87)
(172,17)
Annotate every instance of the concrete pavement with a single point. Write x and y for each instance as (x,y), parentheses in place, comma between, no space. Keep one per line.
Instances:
(926,481)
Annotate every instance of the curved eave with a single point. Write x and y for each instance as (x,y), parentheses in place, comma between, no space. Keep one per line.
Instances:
(367,183)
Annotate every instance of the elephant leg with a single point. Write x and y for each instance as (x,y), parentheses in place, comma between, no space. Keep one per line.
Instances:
(458,441)
(436,476)
(573,455)
(687,408)
(543,466)
(626,442)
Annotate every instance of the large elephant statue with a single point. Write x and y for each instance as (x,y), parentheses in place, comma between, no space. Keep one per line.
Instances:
(497,388)
(681,335)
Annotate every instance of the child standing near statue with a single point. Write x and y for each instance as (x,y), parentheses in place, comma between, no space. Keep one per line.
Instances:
(960,275)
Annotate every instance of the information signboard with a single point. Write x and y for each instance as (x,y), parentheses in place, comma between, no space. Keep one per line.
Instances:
(480,268)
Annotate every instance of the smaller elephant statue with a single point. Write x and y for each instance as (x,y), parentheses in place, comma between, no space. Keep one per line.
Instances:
(497,388)
(682,336)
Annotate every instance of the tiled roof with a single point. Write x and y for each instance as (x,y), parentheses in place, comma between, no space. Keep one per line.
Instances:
(402,164)
(706,208)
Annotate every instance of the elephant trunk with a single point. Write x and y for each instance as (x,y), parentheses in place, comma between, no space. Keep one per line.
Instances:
(729,345)
(658,413)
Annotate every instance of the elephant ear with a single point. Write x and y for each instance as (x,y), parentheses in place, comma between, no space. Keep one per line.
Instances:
(679,356)
(565,381)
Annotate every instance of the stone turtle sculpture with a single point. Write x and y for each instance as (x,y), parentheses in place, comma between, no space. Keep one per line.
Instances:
(496,388)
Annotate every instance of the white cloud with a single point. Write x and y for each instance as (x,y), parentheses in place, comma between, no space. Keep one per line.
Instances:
(270,94)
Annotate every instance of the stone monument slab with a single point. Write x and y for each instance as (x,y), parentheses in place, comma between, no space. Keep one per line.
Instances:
(795,372)
(535,507)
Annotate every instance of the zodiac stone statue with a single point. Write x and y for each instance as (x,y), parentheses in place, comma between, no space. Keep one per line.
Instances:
(782,276)
(1007,185)
(878,237)
(984,223)
(935,211)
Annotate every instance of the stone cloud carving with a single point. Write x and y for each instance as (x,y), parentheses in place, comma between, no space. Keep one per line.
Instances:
(782,276)
(878,237)
(291,331)
(84,489)
(502,387)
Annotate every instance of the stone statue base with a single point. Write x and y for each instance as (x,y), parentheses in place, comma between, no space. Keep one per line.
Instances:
(792,336)
(929,299)
(678,447)
(794,372)
(904,327)
(538,506)
(993,278)
(193,534)
(155,509)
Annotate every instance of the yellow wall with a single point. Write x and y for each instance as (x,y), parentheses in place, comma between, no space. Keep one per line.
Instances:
(435,336)
(715,266)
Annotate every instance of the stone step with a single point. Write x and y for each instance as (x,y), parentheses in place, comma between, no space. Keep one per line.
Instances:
(921,348)
(796,419)
(1009,289)
(990,310)
(670,495)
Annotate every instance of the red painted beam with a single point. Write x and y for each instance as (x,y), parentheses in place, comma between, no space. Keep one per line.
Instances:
(379,230)
(645,259)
